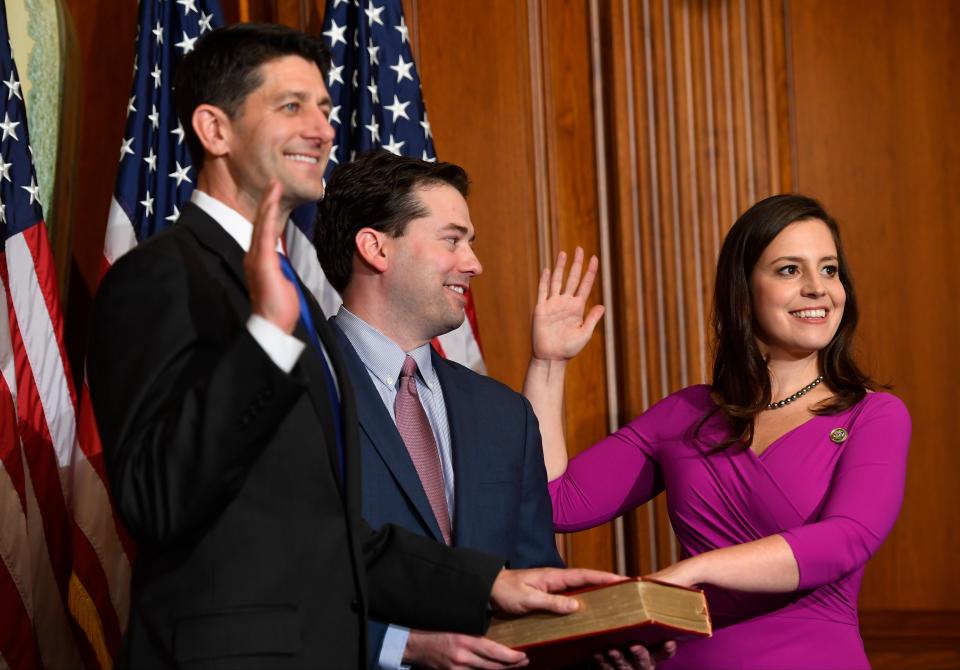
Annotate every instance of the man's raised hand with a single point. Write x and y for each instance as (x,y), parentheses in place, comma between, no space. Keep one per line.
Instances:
(272,295)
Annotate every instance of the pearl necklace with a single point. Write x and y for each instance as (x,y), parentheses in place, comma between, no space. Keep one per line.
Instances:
(802,392)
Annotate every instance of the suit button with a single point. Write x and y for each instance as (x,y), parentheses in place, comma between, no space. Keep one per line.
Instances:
(354,605)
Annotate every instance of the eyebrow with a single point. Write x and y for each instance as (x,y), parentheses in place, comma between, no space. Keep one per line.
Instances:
(302,97)
(799,259)
(463,230)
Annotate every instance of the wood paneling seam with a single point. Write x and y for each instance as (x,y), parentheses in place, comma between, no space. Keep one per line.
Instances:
(747,105)
(655,222)
(711,131)
(606,280)
(694,195)
(541,179)
(675,200)
(655,229)
(634,223)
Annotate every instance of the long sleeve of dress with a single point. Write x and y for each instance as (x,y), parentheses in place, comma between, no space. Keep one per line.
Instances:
(864,499)
(618,473)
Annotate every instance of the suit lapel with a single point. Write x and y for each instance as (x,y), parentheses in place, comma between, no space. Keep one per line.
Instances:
(464,431)
(218,242)
(382,432)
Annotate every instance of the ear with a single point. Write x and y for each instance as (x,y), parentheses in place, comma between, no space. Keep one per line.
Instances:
(371,246)
(214,129)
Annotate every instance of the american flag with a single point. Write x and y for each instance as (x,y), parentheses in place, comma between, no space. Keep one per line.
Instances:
(38,429)
(154,178)
(378,103)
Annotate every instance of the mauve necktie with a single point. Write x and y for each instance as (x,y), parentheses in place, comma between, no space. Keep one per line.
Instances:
(307,322)
(418,436)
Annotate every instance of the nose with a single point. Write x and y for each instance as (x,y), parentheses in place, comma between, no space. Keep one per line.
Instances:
(813,285)
(470,264)
(320,128)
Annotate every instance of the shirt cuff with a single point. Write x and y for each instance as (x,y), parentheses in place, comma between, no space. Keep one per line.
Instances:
(283,349)
(394,644)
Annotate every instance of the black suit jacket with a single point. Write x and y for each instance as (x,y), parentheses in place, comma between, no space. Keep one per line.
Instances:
(252,554)
(501,501)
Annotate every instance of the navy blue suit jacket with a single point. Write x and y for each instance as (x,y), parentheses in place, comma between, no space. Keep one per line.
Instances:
(501,501)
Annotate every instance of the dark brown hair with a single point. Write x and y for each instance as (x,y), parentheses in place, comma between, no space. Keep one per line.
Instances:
(741,383)
(374,191)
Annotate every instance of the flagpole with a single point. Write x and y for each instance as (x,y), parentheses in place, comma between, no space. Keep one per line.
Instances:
(244,11)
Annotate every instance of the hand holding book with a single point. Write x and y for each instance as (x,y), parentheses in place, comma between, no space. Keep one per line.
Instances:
(614,616)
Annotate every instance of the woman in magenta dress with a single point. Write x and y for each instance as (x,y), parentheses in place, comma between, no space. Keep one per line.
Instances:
(783,476)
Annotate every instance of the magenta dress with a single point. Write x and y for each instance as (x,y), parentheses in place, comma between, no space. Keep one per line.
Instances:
(833,502)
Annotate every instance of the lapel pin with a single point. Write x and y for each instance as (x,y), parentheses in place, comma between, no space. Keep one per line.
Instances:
(839,435)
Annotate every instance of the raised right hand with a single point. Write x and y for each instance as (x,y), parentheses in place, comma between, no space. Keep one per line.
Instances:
(560,330)
(272,296)
(449,651)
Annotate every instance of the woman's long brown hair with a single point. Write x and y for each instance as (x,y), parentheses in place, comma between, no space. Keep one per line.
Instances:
(741,383)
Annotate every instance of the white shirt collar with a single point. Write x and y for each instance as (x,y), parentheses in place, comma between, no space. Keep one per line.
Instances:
(233,222)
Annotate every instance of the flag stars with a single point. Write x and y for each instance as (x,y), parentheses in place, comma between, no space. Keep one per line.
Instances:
(147,205)
(374,129)
(336,75)
(373,14)
(178,131)
(333,154)
(156,74)
(429,158)
(154,117)
(158,33)
(334,115)
(425,124)
(205,20)
(180,174)
(9,128)
(335,33)
(126,147)
(130,108)
(174,216)
(374,92)
(14,87)
(3,213)
(186,43)
(373,52)
(393,146)
(5,171)
(33,190)
(188,6)
(402,69)
(404,32)
(398,109)
(151,160)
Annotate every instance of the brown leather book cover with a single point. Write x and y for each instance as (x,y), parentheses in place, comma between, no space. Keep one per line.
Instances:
(616,615)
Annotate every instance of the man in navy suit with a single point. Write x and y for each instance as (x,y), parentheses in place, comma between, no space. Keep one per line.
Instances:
(395,238)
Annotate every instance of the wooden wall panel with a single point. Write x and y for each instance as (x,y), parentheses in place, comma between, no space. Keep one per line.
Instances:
(511,100)
(694,90)
(876,116)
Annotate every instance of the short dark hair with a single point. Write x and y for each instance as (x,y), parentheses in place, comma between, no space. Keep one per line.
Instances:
(741,383)
(223,69)
(376,190)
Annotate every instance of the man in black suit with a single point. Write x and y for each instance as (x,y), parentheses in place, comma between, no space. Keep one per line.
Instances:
(228,421)
(395,238)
